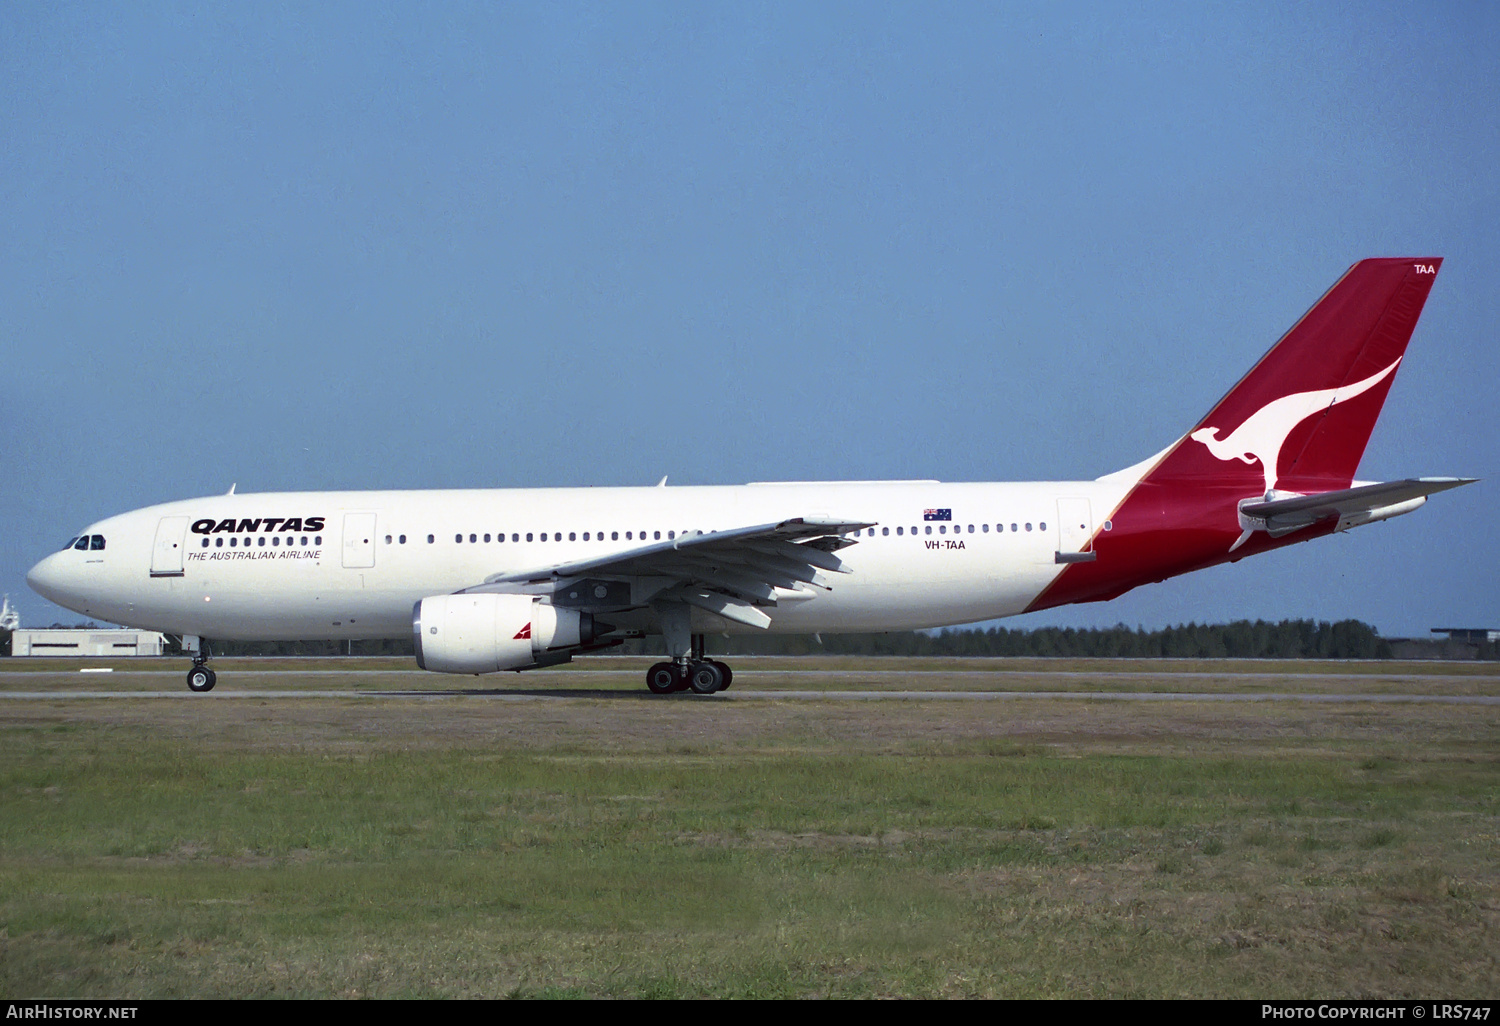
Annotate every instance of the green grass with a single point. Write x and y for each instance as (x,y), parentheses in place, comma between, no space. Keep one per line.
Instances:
(600,847)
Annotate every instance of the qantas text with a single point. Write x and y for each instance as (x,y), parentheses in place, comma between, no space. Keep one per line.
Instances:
(265,525)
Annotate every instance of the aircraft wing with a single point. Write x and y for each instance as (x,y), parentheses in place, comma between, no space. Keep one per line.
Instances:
(733,573)
(1352,506)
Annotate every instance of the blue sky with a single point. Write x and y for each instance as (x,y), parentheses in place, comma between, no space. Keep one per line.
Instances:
(440,245)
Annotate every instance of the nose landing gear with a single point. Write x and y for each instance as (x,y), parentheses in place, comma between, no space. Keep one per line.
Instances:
(200,678)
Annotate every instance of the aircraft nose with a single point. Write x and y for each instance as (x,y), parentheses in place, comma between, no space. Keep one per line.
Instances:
(49,579)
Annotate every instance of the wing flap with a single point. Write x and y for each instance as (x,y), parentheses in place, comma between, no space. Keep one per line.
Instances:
(728,607)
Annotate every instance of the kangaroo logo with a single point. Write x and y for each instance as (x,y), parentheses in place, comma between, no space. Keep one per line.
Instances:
(1264,432)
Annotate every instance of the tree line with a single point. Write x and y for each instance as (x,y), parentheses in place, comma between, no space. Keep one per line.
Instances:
(1242,639)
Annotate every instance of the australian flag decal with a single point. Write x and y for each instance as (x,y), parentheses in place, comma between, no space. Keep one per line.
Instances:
(937,514)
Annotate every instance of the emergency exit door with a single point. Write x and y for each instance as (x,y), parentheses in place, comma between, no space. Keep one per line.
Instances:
(166,554)
(1075,528)
(359,540)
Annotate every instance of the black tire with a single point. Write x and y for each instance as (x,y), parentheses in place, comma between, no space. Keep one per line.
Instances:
(705,678)
(662,679)
(727,672)
(201,679)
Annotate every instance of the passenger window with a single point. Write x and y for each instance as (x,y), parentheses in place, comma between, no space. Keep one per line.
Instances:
(885,531)
(387,539)
(473,538)
(657,534)
(318,540)
(304,539)
(1041,527)
(500,537)
(218,543)
(900,530)
(205,543)
(671,534)
(232,541)
(403,539)
(486,537)
(929,528)
(627,536)
(458,538)
(942,529)
(96,542)
(430,539)
(971,528)
(1013,527)
(614,536)
(985,528)
(261,541)
(572,536)
(585,536)
(1028,527)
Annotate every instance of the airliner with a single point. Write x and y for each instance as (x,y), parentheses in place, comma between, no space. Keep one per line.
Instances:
(491,580)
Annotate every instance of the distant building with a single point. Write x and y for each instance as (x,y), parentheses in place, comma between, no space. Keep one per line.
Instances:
(86,642)
(1469,633)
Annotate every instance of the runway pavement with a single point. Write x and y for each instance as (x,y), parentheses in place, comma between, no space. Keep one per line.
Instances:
(738,695)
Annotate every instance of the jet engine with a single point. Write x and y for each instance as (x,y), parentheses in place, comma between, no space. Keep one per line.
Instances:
(483,633)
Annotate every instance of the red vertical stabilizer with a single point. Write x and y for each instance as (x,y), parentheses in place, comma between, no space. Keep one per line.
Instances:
(1298,422)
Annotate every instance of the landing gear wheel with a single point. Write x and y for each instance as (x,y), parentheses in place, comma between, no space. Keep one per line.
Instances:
(727,672)
(705,678)
(201,678)
(662,679)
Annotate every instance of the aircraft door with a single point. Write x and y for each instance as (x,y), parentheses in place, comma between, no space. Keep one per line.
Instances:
(1075,526)
(166,554)
(359,540)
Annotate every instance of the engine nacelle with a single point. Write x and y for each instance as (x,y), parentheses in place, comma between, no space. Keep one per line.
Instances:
(483,633)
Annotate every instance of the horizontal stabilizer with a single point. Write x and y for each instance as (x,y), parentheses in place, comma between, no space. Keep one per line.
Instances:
(1352,506)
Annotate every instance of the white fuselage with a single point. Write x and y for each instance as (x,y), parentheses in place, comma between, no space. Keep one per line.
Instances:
(182,568)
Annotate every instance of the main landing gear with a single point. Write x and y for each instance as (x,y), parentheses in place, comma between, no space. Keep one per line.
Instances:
(690,672)
(200,678)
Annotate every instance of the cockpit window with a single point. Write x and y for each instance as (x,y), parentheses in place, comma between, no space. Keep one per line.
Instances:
(96,542)
(82,543)
(69,545)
